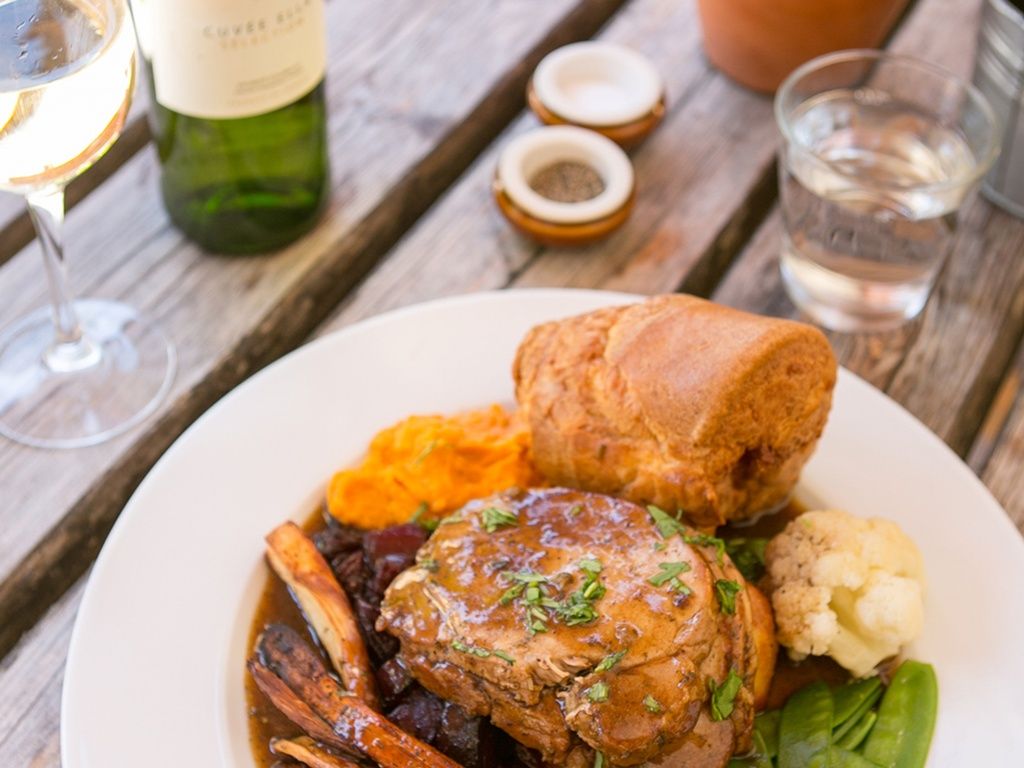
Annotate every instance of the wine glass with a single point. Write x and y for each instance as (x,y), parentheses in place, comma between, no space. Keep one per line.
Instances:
(81,371)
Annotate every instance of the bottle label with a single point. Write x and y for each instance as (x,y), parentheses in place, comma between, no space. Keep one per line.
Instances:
(225,59)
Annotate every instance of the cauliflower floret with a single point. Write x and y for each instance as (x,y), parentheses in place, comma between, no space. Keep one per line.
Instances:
(845,587)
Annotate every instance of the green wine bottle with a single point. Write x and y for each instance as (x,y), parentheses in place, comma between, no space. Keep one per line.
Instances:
(238,117)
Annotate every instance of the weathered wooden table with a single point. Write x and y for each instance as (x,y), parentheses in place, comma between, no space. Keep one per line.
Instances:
(422,95)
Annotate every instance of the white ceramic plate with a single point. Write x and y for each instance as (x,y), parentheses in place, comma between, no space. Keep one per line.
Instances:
(155,672)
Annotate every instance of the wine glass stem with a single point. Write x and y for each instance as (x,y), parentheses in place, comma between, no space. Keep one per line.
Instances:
(71,350)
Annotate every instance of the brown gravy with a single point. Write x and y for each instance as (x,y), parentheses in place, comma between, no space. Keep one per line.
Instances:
(277,607)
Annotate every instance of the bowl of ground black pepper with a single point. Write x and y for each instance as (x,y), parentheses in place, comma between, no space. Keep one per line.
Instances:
(564,186)
(607,88)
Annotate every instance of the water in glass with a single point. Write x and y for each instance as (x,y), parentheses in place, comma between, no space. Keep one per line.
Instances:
(870,196)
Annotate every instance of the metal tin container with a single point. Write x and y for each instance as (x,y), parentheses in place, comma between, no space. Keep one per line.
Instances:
(999,74)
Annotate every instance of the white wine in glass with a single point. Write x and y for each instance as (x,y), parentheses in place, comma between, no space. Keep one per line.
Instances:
(81,371)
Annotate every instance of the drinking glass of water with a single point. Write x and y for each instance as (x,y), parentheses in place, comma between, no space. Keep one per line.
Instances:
(879,153)
(81,371)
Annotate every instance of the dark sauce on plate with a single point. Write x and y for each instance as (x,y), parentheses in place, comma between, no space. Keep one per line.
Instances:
(275,606)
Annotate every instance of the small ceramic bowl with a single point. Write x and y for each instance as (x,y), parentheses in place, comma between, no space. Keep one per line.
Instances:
(556,222)
(601,86)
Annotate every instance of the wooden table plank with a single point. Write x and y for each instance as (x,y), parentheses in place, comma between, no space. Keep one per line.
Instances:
(31,678)
(946,366)
(998,453)
(400,133)
(704,178)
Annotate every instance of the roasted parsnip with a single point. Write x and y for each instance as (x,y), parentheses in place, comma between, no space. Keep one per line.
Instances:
(307,752)
(295,558)
(284,653)
(292,707)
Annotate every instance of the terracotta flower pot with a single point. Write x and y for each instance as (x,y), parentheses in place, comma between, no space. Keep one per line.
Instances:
(759,42)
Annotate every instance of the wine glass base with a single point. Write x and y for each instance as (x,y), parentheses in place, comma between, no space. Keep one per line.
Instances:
(129,373)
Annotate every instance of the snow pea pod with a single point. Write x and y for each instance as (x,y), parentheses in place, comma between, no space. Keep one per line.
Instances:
(766,725)
(865,704)
(906,718)
(805,729)
(844,758)
(854,699)
(857,733)
(757,759)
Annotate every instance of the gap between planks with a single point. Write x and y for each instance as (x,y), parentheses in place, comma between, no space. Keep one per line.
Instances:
(998,452)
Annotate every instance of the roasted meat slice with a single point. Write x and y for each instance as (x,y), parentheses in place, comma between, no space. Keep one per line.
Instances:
(573,621)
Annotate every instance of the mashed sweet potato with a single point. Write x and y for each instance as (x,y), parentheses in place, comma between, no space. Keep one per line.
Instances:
(434,465)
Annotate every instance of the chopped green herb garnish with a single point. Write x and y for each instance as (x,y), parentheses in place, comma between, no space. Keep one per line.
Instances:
(417,517)
(652,704)
(599,760)
(666,524)
(593,590)
(482,653)
(706,540)
(598,692)
(530,586)
(452,519)
(668,573)
(511,594)
(429,564)
(536,590)
(669,526)
(748,556)
(526,577)
(659,546)
(578,608)
(727,591)
(494,518)
(427,450)
(504,657)
(575,509)
(470,649)
(723,696)
(610,660)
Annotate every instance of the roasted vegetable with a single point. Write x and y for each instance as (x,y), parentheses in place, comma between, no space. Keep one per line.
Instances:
(906,718)
(846,587)
(819,728)
(805,731)
(307,752)
(295,558)
(283,652)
